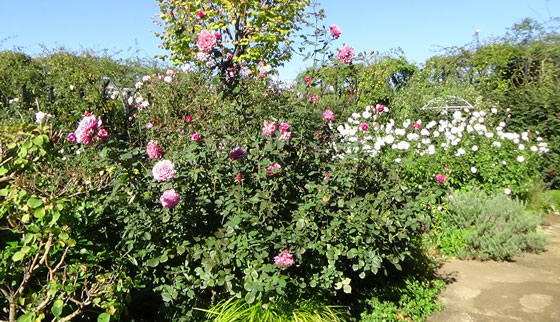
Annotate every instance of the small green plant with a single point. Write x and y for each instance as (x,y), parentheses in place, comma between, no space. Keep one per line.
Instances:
(411,300)
(283,310)
(499,227)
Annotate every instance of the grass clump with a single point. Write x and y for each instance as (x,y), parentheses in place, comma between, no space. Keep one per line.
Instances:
(282,310)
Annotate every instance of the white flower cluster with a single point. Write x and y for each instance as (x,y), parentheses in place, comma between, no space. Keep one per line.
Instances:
(447,134)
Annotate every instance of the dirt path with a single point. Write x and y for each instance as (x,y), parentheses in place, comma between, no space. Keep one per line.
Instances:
(527,289)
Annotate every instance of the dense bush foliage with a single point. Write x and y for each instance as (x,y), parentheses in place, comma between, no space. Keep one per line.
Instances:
(165,189)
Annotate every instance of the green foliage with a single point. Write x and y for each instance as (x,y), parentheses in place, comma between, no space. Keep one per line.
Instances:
(411,300)
(251,31)
(46,232)
(498,227)
(282,310)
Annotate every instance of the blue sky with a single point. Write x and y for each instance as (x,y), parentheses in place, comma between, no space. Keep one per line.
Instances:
(419,27)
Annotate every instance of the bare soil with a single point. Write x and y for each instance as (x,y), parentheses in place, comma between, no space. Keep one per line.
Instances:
(526,289)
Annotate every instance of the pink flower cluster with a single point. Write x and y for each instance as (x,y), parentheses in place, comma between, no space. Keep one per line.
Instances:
(169,199)
(88,129)
(206,41)
(346,54)
(284,259)
(273,169)
(328,116)
(163,170)
(285,131)
(269,128)
(153,150)
(335,31)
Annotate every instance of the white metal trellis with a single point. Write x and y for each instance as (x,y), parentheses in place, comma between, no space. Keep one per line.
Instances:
(448,103)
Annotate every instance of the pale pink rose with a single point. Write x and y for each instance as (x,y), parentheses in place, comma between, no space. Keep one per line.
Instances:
(149,125)
(237,154)
(195,137)
(71,137)
(269,128)
(168,79)
(346,54)
(284,127)
(163,170)
(284,259)
(169,199)
(440,177)
(273,169)
(328,116)
(153,150)
(335,31)
(206,41)
(364,126)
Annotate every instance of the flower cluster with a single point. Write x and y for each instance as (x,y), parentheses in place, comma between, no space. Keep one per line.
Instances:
(88,129)
(284,259)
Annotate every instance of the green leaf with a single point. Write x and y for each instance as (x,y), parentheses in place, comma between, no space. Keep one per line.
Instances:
(39,213)
(216,80)
(57,307)
(347,289)
(104,317)
(18,256)
(153,262)
(34,202)
(38,140)
(22,152)
(28,317)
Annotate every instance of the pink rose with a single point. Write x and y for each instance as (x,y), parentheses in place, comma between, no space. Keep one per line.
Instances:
(328,116)
(163,170)
(273,169)
(149,125)
(169,199)
(346,54)
(440,177)
(87,129)
(284,127)
(71,137)
(206,41)
(201,14)
(269,128)
(416,125)
(102,134)
(380,108)
(195,136)
(327,175)
(284,259)
(188,119)
(364,126)
(238,177)
(307,80)
(153,150)
(285,136)
(335,31)
(313,97)
(237,154)
(218,35)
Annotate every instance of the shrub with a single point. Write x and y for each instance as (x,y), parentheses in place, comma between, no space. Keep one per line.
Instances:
(411,300)
(498,226)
